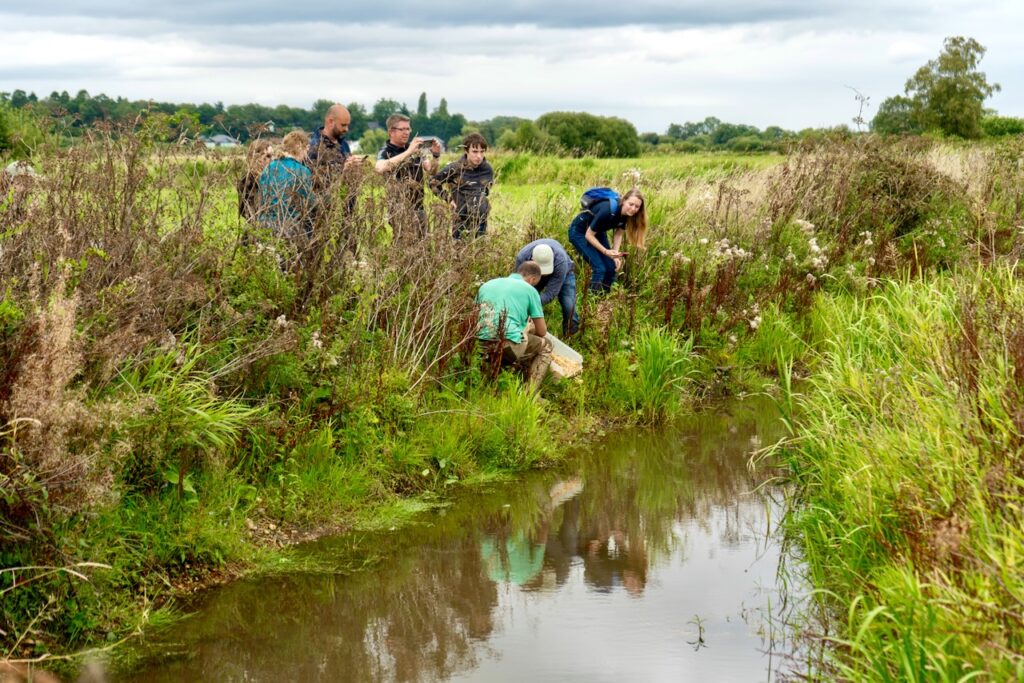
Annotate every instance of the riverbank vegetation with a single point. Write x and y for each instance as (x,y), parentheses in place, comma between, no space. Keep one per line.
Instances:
(177,394)
(908,456)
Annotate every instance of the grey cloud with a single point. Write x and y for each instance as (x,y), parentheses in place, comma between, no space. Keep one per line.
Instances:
(410,13)
(20,74)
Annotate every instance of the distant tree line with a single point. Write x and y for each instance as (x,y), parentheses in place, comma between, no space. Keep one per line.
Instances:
(712,134)
(72,115)
(565,133)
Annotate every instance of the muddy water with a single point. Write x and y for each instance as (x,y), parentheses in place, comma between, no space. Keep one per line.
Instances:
(655,558)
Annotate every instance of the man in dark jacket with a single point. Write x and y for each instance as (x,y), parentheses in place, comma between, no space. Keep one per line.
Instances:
(558,278)
(405,162)
(465,184)
(330,157)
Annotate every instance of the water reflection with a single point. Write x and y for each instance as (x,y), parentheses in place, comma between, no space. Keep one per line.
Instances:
(613,571)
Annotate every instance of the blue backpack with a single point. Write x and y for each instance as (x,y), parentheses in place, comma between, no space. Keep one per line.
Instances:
(599,194)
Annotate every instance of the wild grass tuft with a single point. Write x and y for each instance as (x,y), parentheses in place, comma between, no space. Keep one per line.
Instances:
(663,365)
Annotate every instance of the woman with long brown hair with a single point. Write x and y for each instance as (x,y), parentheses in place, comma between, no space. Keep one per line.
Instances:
(588,233)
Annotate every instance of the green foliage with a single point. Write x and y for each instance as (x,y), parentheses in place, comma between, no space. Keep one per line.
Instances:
(186,423)
(878,193)
(948,92)
(493,129)
(528,137)
(712,134)
(372,141)
(662,366)
(896,115)
(315,482)
(21,133)
(999,126)
(581,134)
(776,341)
(911,525)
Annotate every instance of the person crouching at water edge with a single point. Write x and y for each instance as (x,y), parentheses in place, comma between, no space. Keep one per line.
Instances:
(512,305)
(557,281)
(588,233)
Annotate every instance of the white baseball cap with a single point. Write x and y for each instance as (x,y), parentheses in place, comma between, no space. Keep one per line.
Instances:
(544,257)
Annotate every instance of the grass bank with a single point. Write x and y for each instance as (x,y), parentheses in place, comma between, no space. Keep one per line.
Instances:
(908,459)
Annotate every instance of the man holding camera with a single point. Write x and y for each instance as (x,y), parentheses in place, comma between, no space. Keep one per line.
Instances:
(407,163)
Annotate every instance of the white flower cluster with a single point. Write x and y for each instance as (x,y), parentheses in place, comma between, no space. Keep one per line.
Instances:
(939,242)
(282,321)
(315,340)
(723,249)
(867,238)
(633,175)
(753,316)
(818,260)
(936,228)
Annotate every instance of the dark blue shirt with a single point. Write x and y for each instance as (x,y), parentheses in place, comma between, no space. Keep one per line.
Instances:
(601,219)
(327,156)
(467,187)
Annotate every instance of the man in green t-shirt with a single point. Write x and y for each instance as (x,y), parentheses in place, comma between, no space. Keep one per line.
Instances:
(511,305)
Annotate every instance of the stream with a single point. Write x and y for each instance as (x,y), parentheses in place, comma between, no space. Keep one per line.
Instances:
(655,556)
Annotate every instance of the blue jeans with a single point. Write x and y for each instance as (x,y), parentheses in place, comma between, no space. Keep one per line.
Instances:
(567,300)
(602,267)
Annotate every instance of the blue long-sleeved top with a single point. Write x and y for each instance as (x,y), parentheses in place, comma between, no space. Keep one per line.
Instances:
(601,219)
(549,285)
(286,197)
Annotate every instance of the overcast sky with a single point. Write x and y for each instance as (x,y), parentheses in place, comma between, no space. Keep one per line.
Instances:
(790,63)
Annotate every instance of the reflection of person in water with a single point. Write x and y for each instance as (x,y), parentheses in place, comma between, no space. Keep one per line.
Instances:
(517,560)
(611,559)
(520,558)
(560,548)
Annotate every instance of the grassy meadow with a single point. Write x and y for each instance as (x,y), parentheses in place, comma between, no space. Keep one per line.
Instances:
(181,398)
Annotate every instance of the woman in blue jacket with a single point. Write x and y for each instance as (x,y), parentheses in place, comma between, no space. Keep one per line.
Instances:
(588,233)
(286,192)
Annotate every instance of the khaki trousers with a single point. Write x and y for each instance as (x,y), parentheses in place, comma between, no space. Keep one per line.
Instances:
(533,350)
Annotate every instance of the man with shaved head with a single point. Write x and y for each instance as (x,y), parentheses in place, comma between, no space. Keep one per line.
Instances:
(328,148)
(330,155)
